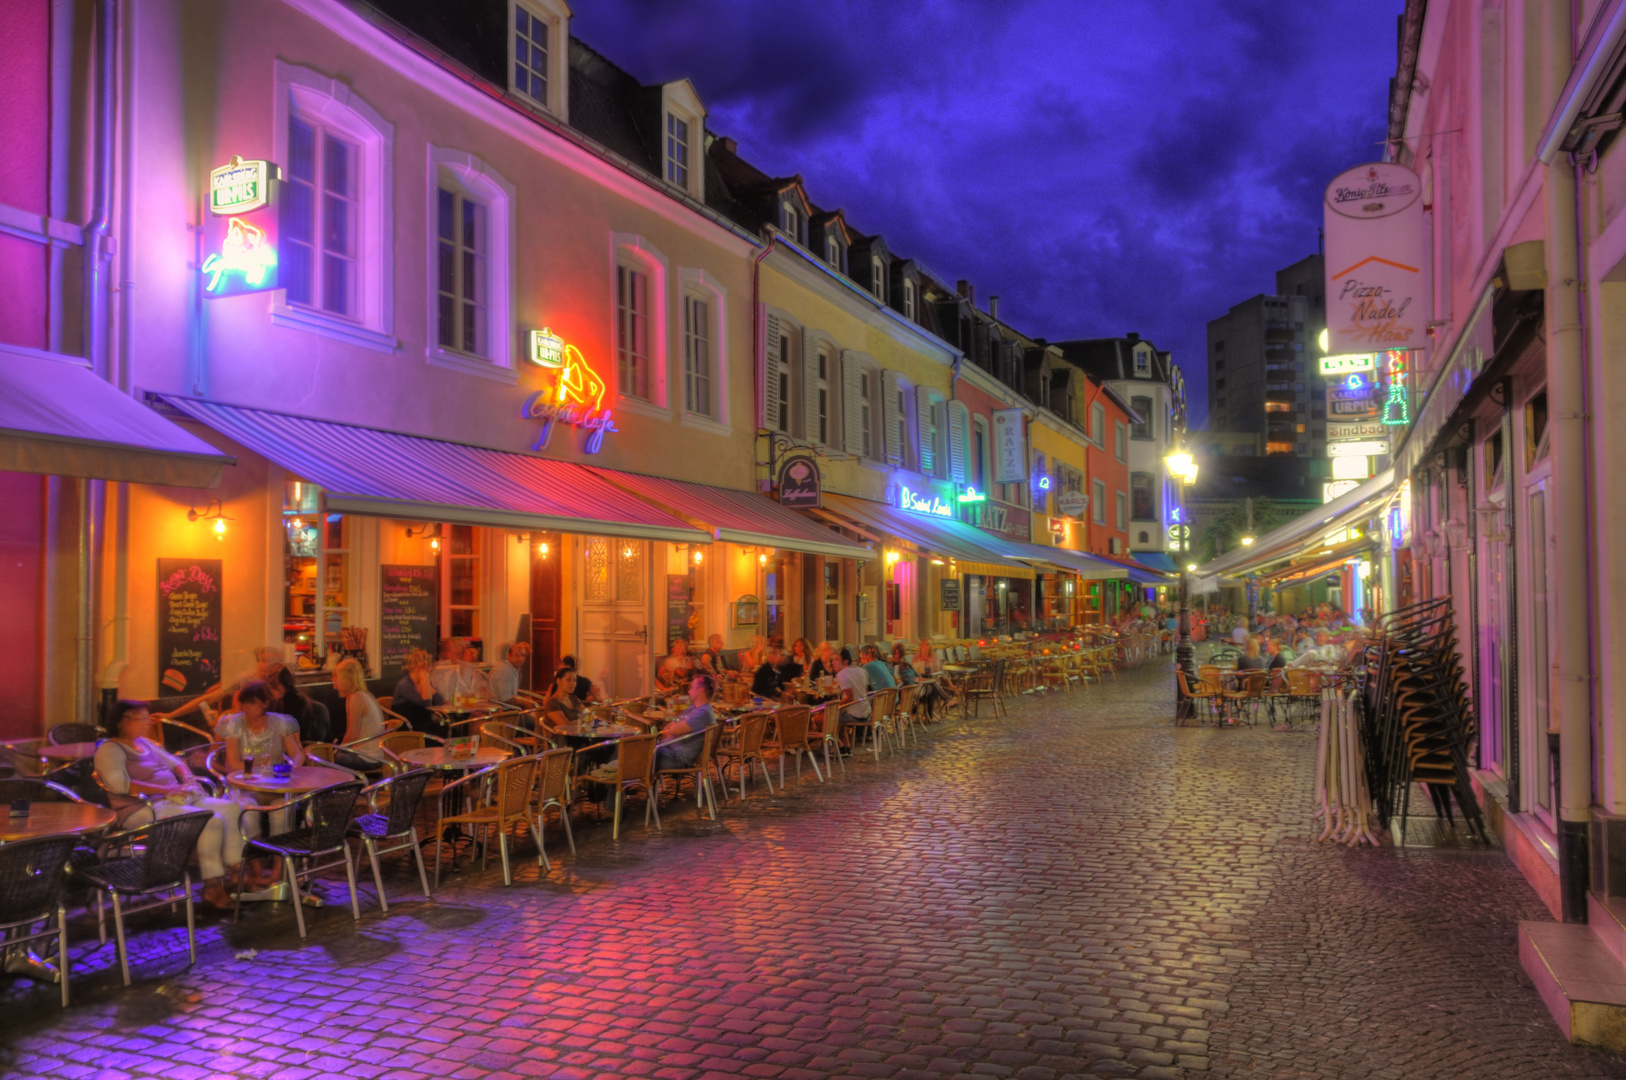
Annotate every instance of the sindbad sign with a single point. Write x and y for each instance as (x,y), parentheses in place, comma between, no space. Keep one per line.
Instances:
(1377,277)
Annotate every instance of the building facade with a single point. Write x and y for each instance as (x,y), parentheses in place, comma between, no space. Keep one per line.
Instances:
(1262,373)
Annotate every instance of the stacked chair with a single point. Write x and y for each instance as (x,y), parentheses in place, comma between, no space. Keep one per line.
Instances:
(1421,722)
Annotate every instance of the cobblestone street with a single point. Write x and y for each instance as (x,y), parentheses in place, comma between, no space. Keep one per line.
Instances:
(1080,890)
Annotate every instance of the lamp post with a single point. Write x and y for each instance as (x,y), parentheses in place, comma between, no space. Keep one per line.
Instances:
(1183,470)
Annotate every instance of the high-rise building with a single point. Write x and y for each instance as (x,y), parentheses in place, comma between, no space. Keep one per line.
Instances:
(1262,373)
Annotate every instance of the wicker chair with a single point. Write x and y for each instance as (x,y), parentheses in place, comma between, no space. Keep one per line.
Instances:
(905,718)
(634,767)
(397,743)
(745,749)
(1202,694)
(155,870)
(828,736)
(62,734)
(33,877)
(553,788)
(790,739)
(705,796)
(1250,688)
(509,808)
(394,826)
(34,789)
(330,810)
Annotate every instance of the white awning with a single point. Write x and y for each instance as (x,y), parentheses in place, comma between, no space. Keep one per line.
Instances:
(1307,530)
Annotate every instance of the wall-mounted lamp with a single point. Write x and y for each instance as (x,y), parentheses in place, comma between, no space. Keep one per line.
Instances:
(542,549)
(762,560)
(429,531)
(697,556)
(212,512)
(937,562)
(892,557)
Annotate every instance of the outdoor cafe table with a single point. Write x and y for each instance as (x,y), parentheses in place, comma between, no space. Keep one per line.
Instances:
(66,752)
(441,759)
(47,818)
(268,790)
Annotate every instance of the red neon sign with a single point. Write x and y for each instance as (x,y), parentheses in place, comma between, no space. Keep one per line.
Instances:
(576,397)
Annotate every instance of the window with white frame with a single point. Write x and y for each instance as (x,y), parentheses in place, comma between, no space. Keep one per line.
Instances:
(1120,440)
(1143,409)
(697,357)
(1098,502)
(784,373)
(337,212)
(538,46)
(979,454)
(933,461)
(908,298)
(832,250)
(793,226)
(463,308)
(902,395)
(470,275)
(1143,363)
(1123,511)
(632,353)
(867,380)
(677,150)
(824,402)
(877,277)
(1098,424)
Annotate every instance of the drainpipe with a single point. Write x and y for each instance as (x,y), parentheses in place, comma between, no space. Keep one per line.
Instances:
(1572,653)
(98,229)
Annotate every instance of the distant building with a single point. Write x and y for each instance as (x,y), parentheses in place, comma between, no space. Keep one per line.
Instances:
(1215,444)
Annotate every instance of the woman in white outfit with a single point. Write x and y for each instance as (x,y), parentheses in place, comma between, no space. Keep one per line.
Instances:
(130,763)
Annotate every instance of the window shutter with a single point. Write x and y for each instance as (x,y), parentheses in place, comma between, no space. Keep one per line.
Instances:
(959,427)
(769,373)
(924,418)
(810,388)
(852,415)
(892,418)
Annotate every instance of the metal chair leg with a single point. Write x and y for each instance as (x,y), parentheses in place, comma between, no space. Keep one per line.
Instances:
(653,806)
(564,819)
(378,878)
(502,848)
(615,829)
(417,853)
(293,888)
(350,872)
(62,963)
(118,929)
(191,924)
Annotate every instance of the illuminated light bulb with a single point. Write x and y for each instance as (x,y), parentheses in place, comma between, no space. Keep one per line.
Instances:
(937,562)
(762,560)
(434,543)
(298,524)
(1190,566)
(697,556)
(542,549)
(220,527)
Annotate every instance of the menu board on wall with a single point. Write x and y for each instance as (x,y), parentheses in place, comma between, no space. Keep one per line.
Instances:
(678,589)
(409,615)
(950,598)
(189,610)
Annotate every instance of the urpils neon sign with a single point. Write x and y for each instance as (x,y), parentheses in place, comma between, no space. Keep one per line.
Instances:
(240,229)
(576,396)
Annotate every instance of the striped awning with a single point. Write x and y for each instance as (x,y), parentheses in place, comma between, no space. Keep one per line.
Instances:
(387,474)
(939,536)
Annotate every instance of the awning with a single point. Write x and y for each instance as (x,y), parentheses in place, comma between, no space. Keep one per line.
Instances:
(1307,529)
(1317,563)
(1157,560)
(386,474)
(59,419)
(1082,563)
(737,517)
(942,536)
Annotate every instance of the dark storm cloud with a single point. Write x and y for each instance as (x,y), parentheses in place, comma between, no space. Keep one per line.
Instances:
(1102,165)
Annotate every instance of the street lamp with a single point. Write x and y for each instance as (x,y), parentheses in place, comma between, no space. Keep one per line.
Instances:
(1183,468)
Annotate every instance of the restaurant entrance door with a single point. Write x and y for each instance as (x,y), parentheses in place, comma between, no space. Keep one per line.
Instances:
(615,619)
(546,555)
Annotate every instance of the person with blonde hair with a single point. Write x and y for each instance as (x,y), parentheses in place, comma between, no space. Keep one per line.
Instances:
(416,694)
(363,719)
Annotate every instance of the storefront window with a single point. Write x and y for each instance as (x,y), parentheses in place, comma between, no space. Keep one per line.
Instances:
(832,600)
(462,597)
(773,594)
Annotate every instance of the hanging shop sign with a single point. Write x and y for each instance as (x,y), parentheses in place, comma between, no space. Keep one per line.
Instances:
(949,596)
(1179,534)
(1072,503)
(923,502)
(1397,403)
(1362,408)
(240,231)
(576,396)
(1010,452)
(1377,284)
(1339,431)
(1348,363)
(799,486)
(1058,526)
(1362,448)
(999,519)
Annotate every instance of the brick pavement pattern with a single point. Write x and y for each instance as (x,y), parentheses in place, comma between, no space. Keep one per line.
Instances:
(1080,890)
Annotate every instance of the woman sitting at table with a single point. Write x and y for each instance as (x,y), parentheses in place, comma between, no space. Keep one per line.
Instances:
(563,708)
(767,682)
(676,667)
(801,654)
(751,659)
(675,750)
(363,719)
(587,691)
(130,764)
(289,700)
(253,731)
(415,694)
(824,661)
(1251,659)
(938,691)
(902,670)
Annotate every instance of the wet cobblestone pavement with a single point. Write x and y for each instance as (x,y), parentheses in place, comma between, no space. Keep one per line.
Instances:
(1080,890)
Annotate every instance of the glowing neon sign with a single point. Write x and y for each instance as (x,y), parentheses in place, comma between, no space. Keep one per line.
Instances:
(1044,483)
(1347,363)
(917,503)
(1397,406)
(245,252)
(576,396)
(972,495)
(240,186)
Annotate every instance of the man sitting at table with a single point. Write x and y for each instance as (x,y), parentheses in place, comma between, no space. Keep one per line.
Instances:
(768,681)
(880,676)
(854,686)
(676,668)
(675,751)
(506,674)
(711,661)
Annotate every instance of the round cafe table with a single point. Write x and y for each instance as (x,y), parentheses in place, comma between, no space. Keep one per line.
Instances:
(441,759)
(304,778)
(66,752)
(46,818)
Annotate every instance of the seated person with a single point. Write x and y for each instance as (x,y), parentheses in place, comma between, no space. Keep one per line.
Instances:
(902,670)
(1251,660)
(768,682)
(563,708)
(311,716)
(880,676)
(253,732)
(1274,660)
(824,661)
(587,691)
(363,719)
(790,668)
(854,684)
(507,673)
(676,668)
(416,693)
(711,661)
(675,751)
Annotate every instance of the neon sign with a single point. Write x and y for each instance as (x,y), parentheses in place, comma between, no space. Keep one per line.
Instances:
(240,186)
(972,495)
(1397,406)
(1044,483)
(1348,363)
(917,503)
(245,252)
(576,396)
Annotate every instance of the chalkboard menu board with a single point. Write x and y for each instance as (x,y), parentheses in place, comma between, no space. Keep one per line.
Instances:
(409,615)
(950,600)
(189,610)
(678,588)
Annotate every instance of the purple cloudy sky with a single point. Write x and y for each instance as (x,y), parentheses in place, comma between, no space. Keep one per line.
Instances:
(1101,165)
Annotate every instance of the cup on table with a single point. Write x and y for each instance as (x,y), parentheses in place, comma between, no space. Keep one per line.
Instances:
(282,770)
(248,764)
(19,808)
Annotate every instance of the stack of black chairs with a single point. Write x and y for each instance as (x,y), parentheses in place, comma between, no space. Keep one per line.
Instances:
(1420,721)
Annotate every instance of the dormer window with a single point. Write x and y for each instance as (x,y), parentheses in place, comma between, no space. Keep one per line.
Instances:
(792,223)
(677,150)
(1143,363)
(832,251)
(877,277)
(538,45)
(908,299)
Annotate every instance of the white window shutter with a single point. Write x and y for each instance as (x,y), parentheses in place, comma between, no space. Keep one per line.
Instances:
(924,420)
(959,427)
(810,388)
(892,420)
(768,376)
(852,415)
